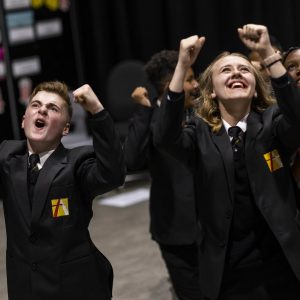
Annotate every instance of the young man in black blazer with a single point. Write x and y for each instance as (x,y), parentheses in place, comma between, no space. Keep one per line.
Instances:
(48,207)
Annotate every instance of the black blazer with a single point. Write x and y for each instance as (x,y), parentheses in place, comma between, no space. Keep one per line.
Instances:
(276,132)
(50,254)
(172,198)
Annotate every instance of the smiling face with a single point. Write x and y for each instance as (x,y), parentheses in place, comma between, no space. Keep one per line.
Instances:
(191,89)
(230,87)
(45,121)
(292,64)
(233,80)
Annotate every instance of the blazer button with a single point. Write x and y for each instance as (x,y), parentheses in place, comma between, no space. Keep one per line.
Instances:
(34,266)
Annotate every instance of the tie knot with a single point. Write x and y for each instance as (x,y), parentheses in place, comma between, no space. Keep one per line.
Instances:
(235,132)
(34,159)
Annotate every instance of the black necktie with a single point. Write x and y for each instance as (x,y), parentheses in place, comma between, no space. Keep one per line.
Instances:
(33,172)
(237,141)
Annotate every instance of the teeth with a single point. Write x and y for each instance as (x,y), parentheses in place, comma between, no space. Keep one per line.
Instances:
(236,85)
(39,123)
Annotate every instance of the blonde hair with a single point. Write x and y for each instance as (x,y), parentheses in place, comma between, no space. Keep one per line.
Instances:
(209,108)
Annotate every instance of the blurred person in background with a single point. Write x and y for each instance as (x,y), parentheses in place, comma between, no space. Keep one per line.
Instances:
(172,195)
(291,61)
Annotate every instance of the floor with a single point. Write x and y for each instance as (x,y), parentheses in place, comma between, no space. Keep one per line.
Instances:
(121,233)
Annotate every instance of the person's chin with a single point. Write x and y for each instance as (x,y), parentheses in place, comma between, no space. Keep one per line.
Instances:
(36,137)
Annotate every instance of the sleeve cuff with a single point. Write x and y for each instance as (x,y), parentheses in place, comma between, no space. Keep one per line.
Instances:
(99,115)
(282,81)
(173,96)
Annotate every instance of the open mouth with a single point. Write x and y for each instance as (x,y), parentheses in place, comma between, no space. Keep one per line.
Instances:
(39,123)
(237,85)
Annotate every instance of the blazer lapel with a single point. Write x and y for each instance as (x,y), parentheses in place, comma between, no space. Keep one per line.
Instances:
(222,142)
(52,166)
(19,166)
(254,124)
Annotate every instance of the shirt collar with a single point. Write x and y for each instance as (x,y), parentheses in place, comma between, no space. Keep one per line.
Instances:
(43,157)
(241,123)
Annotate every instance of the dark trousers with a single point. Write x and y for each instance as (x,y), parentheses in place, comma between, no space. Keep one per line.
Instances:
(283,286)
(183,269)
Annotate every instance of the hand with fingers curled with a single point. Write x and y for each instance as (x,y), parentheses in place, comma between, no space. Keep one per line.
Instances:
(188,53)
(189,50)
(86,97)
(256,38)
(140,96)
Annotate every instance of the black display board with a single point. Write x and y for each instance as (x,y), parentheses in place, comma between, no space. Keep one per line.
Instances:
(38,43)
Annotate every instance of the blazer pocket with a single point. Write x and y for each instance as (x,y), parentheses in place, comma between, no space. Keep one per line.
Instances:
(61,206)
(88,277)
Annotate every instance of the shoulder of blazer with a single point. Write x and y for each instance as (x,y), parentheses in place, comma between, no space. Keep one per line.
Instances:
(10,148)
(80,153)
(270,115)
(197,122)
(272,111)
(74,155)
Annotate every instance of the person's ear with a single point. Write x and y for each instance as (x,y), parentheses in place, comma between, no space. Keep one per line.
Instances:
(66,129)
(213,95)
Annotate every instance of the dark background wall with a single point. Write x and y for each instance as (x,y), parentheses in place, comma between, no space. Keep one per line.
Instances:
(114,30)
(98,34)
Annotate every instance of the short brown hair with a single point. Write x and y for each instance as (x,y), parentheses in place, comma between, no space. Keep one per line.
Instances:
(56,87)
(160,68)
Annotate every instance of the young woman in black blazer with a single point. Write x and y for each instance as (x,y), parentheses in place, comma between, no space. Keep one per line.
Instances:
(239,148)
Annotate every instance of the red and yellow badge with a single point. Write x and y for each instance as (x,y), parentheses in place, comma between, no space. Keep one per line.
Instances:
(60,207)
(273,160)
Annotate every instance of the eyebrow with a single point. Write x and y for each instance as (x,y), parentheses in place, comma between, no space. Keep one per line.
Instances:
(47,104)
(239,65)
(35,100)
